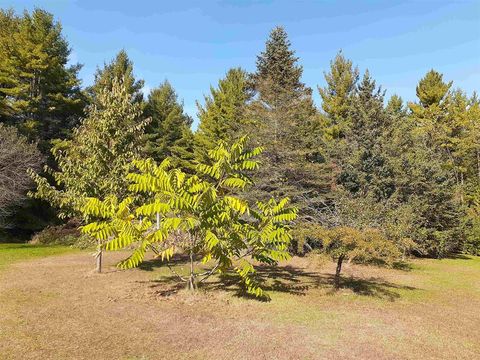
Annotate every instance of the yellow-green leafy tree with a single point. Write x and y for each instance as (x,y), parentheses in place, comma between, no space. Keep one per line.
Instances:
(202,215)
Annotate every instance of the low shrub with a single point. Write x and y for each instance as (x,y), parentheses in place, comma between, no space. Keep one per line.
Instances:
(66,234)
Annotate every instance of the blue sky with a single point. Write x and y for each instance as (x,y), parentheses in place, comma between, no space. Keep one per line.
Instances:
(193,43)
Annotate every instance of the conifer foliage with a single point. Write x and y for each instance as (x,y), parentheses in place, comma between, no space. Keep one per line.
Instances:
(120,69)
(223,116)
(285,121)
(337,96)
(168,133)
(39,93)
(358,168)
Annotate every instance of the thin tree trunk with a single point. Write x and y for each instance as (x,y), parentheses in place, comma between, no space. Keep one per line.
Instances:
(338,270)
(462,182)
(98,258)
(191,281)
(478,163)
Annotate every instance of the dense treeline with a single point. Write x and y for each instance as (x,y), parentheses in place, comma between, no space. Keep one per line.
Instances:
(361,170)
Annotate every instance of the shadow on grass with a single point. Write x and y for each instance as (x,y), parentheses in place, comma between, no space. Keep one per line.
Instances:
(282,279)
(457,257)
(402,265)
(151,265)
(374,287)
(297,281)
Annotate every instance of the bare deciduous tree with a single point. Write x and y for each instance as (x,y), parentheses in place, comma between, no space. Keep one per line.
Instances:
(17,155)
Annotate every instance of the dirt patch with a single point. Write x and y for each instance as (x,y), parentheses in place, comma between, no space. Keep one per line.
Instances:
(57,308)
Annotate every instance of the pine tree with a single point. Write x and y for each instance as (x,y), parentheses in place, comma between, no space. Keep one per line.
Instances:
(431,111)
(395,107)
(168,133)
(119,69)
(431,90)
(337,96)
(424,177)
(40,93)
(223,117)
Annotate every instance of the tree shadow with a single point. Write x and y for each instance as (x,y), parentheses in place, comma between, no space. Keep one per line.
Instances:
(373,287)
(151,265)
(298,281)
(165,286)
(283,279)
(402,265)
(457,256)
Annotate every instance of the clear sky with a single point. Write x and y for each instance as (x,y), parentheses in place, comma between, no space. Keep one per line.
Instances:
(193,43)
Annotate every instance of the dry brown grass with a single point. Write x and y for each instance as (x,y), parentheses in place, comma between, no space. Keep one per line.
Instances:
(56,308)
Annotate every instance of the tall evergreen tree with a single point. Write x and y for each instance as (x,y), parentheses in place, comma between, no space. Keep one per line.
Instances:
(337,96)
(222,117)
(395,107)
(426,179)
(39,92)
(168,133)
(278,73)
(431,89)
(286,123)
(431,110)
(364,165)
(119,69)
(362,155)
(425,186)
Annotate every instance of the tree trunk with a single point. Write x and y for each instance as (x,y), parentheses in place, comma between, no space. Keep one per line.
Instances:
(191,281)
(478,163)
(338,270)
(98,257)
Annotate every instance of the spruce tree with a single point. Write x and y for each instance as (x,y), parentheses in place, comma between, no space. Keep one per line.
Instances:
(286,123)
(361,157)
(168,133)
(278,73)
(424,186)
(222,117)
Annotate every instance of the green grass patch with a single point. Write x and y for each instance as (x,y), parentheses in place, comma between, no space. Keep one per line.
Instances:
(10,253)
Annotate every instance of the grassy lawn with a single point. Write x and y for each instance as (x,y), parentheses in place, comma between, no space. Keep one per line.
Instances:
(57,308)
(10,253)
